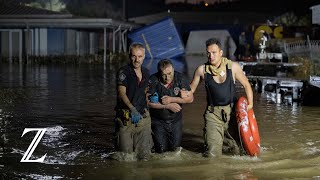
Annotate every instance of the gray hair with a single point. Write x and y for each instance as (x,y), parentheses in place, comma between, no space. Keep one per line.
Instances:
(135,45)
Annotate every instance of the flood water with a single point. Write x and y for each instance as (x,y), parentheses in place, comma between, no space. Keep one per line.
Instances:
(75,104)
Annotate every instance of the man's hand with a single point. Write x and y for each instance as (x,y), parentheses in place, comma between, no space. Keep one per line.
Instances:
(174,107)
(135,115)
(166,100)
(250,106)
(154,98)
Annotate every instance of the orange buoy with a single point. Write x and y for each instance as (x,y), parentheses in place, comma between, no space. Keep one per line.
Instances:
(248,127)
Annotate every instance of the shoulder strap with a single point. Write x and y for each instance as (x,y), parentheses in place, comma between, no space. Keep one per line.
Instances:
(232,90)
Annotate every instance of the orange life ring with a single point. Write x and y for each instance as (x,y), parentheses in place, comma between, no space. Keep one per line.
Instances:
(248,127)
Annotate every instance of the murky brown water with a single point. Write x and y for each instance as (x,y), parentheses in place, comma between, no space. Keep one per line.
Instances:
(75,104)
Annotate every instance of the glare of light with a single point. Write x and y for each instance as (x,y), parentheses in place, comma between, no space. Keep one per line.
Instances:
(206,4)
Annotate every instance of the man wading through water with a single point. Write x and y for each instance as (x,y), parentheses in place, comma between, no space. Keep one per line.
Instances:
(133,122)
(166,87)
(219,75)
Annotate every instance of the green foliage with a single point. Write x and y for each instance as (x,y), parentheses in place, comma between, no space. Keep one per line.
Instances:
(303,71)
(52,5)
(290,19)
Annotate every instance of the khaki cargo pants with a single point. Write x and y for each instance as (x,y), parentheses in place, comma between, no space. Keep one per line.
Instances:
(216,136)
(134,137)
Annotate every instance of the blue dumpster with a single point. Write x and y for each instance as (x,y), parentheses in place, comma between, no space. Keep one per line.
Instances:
(161,39)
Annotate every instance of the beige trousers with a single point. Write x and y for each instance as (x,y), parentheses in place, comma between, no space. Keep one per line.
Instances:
(134,137)
(216,136)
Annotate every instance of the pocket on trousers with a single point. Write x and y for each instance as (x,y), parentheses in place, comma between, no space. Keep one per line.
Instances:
(145,120)
(119,123)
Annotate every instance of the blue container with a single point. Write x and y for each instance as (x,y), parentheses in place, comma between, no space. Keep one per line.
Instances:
(161,39)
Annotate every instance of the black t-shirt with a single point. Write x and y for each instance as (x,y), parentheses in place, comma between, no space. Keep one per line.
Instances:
(135,90)
(179,82)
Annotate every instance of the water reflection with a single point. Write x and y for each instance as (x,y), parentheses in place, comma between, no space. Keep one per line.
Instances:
(75,104)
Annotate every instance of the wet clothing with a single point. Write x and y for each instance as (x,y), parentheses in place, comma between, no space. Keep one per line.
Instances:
(220,98)
(216,135)
(133,137)
(167,125)
(167,134)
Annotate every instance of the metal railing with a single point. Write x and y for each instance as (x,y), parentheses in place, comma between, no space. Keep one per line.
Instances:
(309,49)
(302,46)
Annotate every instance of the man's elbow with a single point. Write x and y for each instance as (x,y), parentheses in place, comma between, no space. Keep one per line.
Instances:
(190,99)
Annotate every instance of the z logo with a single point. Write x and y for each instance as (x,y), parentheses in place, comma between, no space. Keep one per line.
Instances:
(33,145)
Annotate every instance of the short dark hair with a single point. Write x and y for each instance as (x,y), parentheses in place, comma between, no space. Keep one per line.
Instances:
(213,41)
(163,63)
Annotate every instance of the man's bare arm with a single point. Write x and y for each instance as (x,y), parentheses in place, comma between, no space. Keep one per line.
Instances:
(197,77)
(240,76)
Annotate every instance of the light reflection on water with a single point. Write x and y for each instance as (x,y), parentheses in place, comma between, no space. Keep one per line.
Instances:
(76,104)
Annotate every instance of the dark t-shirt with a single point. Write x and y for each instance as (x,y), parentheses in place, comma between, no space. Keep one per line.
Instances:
(135,90)
(179,82)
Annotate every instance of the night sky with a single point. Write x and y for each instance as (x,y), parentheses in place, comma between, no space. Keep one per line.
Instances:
(299,7)
(113,8)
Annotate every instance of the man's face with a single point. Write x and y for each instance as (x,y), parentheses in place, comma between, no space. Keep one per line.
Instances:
(214,54)
(167,74)
(137,57)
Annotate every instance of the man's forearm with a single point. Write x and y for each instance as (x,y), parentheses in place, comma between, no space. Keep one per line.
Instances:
(157,105)
(180,100)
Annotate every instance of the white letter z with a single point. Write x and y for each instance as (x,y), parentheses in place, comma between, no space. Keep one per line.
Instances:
(33,145)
